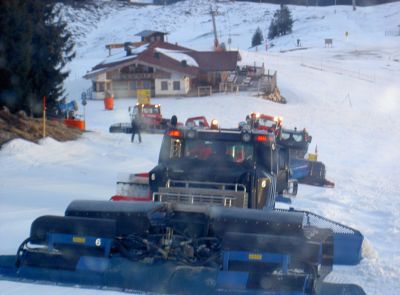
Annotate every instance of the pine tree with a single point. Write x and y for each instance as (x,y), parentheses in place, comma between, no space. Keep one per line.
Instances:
(281,23)
(257,38)
(15,46)
(34,49)
(273,29)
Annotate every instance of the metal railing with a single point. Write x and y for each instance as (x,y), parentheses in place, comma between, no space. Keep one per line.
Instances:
(203,184)
(203,193)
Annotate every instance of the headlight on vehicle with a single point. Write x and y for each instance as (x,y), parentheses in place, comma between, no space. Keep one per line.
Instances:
(264,183)
(246,136)
(191,134)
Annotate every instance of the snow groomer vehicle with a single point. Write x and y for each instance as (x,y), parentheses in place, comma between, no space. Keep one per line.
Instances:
(304,167)
(211,227)
(306,170)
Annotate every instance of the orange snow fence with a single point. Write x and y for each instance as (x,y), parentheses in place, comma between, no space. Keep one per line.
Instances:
(80,124)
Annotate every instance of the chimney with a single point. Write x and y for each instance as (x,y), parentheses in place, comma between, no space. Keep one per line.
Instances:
(184,63)
(127,48)
(157,54)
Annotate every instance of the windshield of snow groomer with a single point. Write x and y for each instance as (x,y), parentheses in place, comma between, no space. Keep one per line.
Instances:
(298,137)
(151,110)
(266,122)
(238,152)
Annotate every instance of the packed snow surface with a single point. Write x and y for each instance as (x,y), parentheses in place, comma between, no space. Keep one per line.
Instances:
(347,96)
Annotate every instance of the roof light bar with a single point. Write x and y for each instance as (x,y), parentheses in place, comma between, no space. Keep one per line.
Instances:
(255,115)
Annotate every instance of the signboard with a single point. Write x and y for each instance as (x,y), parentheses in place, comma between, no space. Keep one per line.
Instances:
(143,96)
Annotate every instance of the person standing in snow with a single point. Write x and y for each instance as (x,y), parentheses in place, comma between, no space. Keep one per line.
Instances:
(135,129)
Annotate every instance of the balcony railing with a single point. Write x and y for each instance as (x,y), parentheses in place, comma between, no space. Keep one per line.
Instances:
(137,76)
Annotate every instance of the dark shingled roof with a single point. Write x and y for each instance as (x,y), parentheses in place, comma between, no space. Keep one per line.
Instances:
(208,61)
(164,61)
(147,33)
(212,61)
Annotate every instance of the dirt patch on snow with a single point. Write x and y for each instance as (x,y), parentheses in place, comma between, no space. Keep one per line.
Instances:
(21,126)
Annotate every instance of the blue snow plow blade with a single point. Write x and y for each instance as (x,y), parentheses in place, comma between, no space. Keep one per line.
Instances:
(309,172)
(283,199)
(299,168)
(178,249)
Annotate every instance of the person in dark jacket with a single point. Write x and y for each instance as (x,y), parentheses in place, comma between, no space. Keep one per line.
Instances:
(135,129)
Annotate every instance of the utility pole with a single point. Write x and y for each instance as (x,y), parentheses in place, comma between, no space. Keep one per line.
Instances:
(216,42)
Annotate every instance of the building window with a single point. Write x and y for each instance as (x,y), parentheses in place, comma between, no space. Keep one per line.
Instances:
(139,84)
(177,85)
(100,86)
(147,84)
(132,85)
(164,85)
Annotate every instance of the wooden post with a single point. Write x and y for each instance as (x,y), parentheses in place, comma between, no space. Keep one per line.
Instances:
(44,116)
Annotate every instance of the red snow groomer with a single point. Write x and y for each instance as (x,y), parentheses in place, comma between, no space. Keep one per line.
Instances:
(264,122)
(197,122)
(147,116)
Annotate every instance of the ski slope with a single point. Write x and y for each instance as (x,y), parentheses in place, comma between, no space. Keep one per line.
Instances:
(348,98)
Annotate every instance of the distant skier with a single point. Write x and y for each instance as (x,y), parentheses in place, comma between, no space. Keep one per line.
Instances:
(135,129)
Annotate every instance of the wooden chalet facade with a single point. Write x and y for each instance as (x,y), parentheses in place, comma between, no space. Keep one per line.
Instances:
(164,68)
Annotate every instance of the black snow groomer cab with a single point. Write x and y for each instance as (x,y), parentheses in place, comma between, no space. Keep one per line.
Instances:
(230,167)
(305,170)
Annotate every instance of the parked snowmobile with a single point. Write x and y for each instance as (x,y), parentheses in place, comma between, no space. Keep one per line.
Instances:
(180,249)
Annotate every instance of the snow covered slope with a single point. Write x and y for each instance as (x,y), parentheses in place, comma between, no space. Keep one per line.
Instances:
(348,97)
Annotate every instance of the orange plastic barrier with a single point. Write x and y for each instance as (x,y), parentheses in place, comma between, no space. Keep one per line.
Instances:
(109,103)
(80,124)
